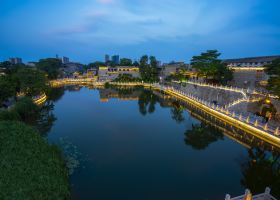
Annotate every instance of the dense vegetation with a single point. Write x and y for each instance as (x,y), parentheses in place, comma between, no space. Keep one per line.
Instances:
(148,70)
(274,81)
(51,66)
(127,78)
(30,167)
(211,67)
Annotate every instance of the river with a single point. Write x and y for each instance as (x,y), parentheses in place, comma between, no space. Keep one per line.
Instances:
(137,144)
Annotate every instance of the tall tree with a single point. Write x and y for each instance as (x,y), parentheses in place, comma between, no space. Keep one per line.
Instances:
(51,66)
(31,82)
(274,80)
(148,71)
(209,65)
(125,62)
(7,88)
(144,61)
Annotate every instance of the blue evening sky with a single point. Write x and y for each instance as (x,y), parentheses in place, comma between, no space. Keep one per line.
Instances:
(85,30)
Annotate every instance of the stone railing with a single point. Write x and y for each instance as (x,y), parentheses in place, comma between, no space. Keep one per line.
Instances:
(238,101)
(39,99)
(248,196)
(231,89)
(243,121)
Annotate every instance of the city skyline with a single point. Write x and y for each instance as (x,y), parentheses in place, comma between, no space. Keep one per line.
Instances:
(171,30)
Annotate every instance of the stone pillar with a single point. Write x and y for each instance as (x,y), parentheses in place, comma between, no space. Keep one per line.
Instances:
(248,195)
(267,191)
(227,197)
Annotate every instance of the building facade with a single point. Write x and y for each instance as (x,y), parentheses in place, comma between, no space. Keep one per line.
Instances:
(15,61)
(250,62)
(107,58)
(250,72)
(111,73)
(65,60)
(116,59)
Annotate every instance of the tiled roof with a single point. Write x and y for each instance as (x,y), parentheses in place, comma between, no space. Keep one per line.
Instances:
(252,59)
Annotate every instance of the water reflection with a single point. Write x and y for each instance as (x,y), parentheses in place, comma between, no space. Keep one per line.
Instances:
(261,169)
(147,101)
(261,165)
(202,135)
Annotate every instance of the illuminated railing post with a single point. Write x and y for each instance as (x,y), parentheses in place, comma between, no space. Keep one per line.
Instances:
(256,123)
(265,127)
(276,132)
(248,120)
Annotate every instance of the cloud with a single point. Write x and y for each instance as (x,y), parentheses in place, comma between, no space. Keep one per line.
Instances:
(132,23)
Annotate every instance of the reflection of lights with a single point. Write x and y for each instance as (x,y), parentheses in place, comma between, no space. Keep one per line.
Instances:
(267,101)
(263,132)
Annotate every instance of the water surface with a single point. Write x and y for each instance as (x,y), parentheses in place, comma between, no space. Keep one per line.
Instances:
(134,144)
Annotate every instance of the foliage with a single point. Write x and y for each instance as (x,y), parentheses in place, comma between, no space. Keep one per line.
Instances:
(51,66)
(147,101)
(95,65)
(31,82)
(201,136)
(126,78)
(148,71)
(125,62)
(27,110)
(274,81)
(177,114)
(7,115)
(207,64)
(30,168)
(7,88)
(135,63)
(260,170)
(45,118)
(179,76)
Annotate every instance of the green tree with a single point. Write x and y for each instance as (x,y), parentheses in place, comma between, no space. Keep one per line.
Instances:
(27,110)
(274,80)
(148,71)
(209,65)
(144,61)
(31,81)
(9,115)
(51,66)
(201,136)
(125,62)
(95,65)
(135,63)
(7,88)
(30,167)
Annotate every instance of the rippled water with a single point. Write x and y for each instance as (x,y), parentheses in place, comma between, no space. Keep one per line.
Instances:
(136,144)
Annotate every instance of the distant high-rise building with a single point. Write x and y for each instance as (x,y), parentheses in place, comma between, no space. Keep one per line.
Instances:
(15,61)
(65,60)
(116,59)
(107,58)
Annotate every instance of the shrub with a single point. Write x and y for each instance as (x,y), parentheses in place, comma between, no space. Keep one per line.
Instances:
(30,167)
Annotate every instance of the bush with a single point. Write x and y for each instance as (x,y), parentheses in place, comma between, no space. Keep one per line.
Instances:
(30,167)
(27,110)
(6,115)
